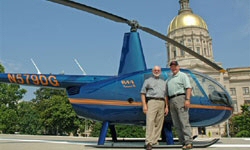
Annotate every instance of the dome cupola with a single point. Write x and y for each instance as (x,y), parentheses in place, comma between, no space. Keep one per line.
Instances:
(186,18)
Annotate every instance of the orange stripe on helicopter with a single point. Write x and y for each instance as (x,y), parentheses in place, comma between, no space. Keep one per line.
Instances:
(125,103)
(104,102)
(210,107)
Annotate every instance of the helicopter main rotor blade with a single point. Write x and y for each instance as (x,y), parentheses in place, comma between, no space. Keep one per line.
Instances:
(182,47)
(92,10)
(134,25)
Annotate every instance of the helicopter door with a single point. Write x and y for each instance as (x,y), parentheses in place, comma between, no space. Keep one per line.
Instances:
(210,89)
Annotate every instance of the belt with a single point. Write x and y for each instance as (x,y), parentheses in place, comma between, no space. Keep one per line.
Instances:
(156,98)
(175,95)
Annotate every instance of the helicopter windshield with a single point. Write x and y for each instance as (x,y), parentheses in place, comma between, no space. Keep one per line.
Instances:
(204,86)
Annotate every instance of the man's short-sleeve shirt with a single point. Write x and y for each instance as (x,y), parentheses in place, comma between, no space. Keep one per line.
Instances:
(178,83)
(154,87)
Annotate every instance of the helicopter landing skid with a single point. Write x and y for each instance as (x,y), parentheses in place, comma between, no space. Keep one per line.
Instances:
(196,144)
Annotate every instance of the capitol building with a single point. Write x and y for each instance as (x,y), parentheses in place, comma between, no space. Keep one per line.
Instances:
(192,31)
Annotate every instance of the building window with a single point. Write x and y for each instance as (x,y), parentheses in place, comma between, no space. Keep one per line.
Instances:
(174,53)
(235,105)
(205,51)
(189,40)
(197,40)
(233,91)
(182,53)
(245,90)
(208,52)
(198,50)
(246,101)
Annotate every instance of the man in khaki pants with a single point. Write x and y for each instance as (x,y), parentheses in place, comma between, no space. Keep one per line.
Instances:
(153,96)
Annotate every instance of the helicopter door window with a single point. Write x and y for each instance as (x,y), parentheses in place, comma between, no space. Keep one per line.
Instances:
(214,92)
(195,89)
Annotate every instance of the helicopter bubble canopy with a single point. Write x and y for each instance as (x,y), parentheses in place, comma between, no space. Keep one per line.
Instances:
(210,89)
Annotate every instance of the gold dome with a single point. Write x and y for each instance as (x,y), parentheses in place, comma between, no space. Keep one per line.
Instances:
(187,19)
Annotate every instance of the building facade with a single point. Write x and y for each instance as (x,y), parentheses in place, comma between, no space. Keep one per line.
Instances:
(191,30)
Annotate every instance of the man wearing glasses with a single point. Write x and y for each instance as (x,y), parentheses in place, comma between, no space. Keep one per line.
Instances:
(153,96)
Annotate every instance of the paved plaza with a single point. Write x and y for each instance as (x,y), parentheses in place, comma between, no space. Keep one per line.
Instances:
(28,142)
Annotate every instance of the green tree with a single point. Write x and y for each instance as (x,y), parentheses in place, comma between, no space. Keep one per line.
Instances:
(8,120)
(130,131)
(96,128)
(47,93)
(10,94)
(84,126)
(28,118)
(2,70)
(239,124)
(123,131)
(57,116)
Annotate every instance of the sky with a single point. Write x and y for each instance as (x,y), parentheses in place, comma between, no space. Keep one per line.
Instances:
(54,35)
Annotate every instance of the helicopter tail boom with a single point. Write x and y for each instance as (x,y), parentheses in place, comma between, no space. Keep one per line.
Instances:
(49,80)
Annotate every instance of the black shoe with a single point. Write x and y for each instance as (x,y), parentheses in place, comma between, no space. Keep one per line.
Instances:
(149,146)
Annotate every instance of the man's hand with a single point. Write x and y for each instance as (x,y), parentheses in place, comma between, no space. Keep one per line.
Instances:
(145,109)
(187,103)
(144,103)
(166,110)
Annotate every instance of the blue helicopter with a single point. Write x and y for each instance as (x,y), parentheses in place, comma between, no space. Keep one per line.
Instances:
(116,99)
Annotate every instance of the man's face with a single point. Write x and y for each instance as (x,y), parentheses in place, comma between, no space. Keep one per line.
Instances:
(175,68)
(157,71)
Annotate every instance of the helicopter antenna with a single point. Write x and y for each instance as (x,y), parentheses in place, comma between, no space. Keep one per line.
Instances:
(38,71)
(84,73)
